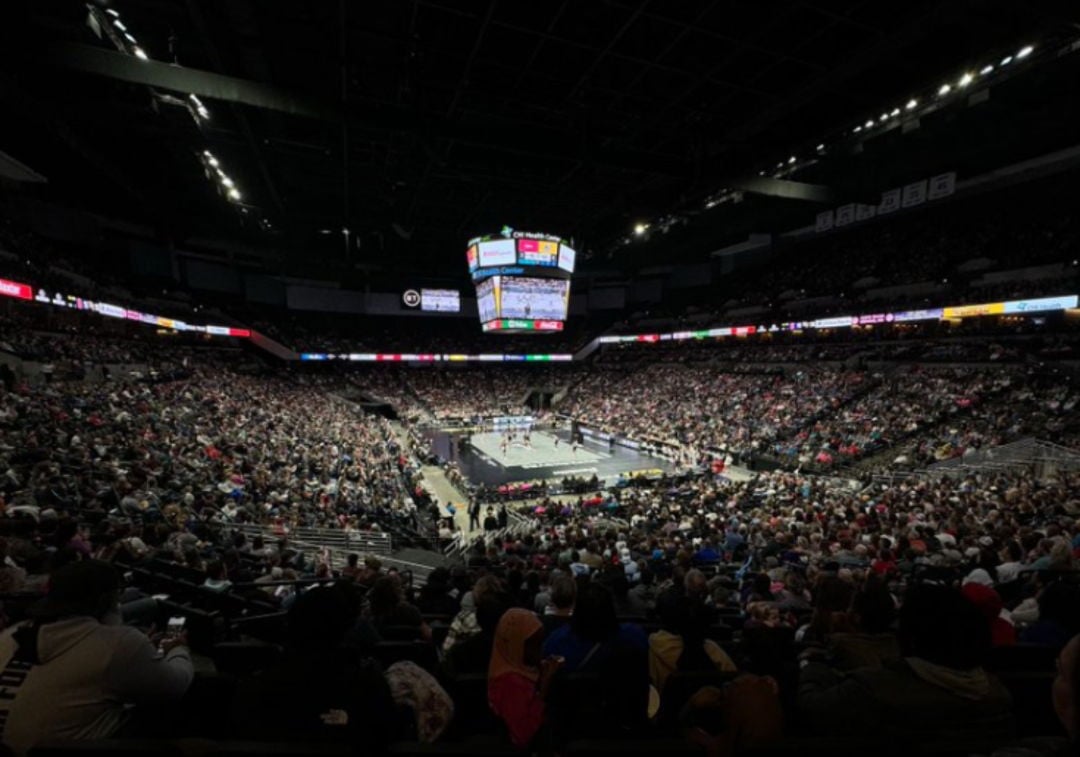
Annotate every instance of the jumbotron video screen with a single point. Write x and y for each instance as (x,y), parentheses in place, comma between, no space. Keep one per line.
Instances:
(522,280)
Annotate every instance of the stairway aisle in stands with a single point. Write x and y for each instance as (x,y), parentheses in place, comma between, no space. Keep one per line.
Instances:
(436,482)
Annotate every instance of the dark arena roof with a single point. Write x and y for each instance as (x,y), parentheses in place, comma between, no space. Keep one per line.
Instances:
(557,377)
(417,125)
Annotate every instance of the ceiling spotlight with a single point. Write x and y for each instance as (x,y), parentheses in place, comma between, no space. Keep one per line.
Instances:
(1006,60)
(912,104)
(869,123)
(234,194)
(791,160)
(325,231)
(119,25)
(821,147)
(966,79)
(883,117)
(112,13)
(640,228)
(857,129)
(1024,52)
(227,181)
(212,161)
(944,89)
(138,51)
(129,38)
(986,69)
(895,112)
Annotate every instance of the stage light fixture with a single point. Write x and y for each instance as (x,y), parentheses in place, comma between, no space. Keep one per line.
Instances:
(1024,52)
(944,89)
(1006,60)
(234,194)
(912,104)
(966,79)
(986,69)
(138,52)
(640,228)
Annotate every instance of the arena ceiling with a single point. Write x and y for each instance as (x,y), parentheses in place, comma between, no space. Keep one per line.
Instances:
(418,123)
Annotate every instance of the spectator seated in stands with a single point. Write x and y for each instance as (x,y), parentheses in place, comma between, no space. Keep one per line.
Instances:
(216,577)
(395,619)
(560,605)
(937,692)
(473,654)
(436,597)
(594,637)
(465,623)
(681,644)
(868,639)
(518,679)
(71,672)
(321,690)
(988,601)
(1058,616)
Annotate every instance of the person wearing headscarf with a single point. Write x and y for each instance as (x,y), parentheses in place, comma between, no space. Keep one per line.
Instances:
(518,680)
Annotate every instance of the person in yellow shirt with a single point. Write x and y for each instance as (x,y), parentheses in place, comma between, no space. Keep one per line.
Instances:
(681,643)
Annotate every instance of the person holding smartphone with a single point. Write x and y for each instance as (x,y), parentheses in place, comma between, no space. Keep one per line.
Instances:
(518,679)
(72,672)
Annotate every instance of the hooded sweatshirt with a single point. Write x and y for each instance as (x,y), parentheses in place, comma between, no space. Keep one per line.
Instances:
(85,675)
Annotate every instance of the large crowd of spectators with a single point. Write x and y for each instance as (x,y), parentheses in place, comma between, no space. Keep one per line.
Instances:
(724,612)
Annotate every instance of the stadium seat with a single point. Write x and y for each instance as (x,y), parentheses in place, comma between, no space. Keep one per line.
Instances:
(472,714)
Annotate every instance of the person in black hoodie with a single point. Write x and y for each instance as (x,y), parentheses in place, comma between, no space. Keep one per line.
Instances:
(321,691)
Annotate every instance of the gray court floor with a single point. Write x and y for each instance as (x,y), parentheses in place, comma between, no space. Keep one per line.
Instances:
(544,452)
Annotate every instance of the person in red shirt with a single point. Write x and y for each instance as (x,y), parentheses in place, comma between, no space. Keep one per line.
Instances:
(1002,632)
(518,680)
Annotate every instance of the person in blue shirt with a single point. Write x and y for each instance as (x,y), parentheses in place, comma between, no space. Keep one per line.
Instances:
(594,635)
(707,553)
(594,642)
